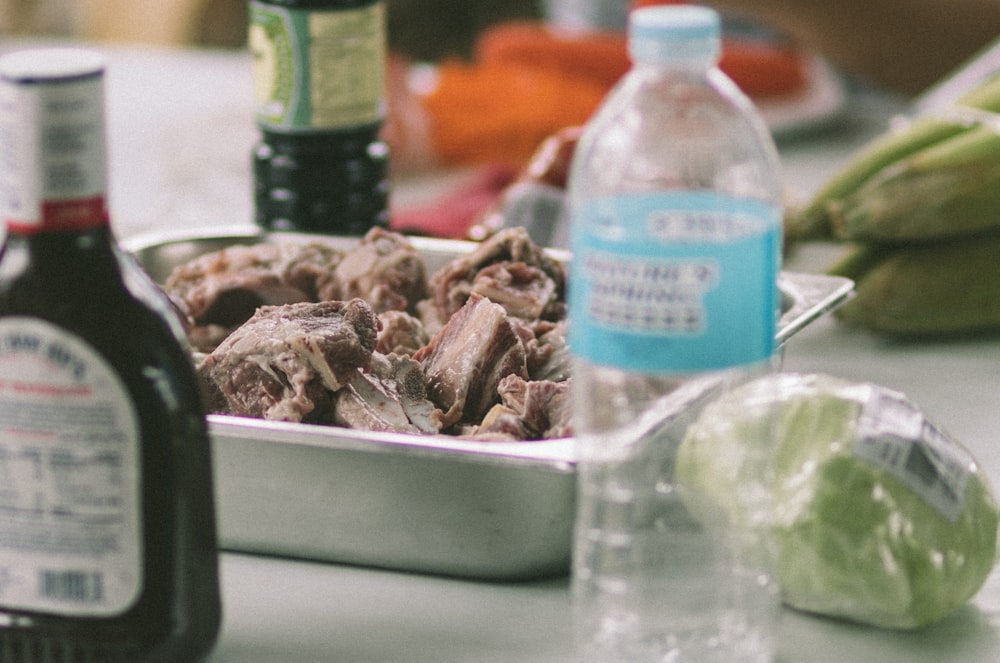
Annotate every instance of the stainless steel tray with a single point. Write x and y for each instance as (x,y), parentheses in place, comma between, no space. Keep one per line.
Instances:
(432,504)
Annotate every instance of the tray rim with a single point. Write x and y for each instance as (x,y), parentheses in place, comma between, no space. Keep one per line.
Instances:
(556,454)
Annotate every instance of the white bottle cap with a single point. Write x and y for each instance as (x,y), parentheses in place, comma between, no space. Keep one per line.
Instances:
(50,65)
(674,33)
(582,16)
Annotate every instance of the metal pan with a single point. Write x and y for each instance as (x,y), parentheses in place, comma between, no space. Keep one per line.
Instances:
(431,504)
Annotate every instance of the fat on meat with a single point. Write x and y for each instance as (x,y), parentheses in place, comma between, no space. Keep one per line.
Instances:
(286,361)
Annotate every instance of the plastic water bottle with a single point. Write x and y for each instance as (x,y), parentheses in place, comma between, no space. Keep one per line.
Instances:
(586,15)
(674,207)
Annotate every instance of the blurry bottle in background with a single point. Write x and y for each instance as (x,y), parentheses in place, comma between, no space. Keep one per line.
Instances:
(108,545)
(586,15)
(674,212)
(318,72)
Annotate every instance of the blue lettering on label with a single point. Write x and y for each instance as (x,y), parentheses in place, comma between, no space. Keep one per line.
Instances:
(674,281)
(20,343)
(702,226)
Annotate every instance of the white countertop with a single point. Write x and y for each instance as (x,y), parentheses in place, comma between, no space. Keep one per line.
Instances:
(175,117)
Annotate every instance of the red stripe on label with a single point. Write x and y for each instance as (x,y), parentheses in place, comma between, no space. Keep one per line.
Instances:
(77,214)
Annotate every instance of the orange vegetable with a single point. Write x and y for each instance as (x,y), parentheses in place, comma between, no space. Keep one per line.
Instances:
(763,69)
(601,57)
(500,113)
(528,82)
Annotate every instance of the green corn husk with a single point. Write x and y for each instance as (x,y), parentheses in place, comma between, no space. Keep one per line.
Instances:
(985,95)
(934,289)
(814,221)
(947,190)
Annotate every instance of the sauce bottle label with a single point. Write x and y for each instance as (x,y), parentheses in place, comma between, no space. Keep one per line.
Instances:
(675,282)
(317,69)
(70,529)
(52,154)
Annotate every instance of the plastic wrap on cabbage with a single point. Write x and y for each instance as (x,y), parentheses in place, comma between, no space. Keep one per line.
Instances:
(878,516)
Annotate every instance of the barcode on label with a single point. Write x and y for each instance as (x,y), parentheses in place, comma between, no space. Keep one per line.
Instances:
(76,586)
(893,435)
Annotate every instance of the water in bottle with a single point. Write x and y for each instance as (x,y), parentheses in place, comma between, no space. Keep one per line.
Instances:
(674,208)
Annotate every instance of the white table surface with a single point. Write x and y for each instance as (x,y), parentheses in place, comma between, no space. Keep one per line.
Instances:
(181,127)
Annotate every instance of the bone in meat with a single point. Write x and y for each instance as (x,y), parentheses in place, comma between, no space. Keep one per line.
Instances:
(389,396)
(466,360)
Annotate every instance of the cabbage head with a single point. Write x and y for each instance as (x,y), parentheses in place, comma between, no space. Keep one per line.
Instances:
(876,515)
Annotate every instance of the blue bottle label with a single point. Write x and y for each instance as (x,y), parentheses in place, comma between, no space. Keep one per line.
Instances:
(674,281)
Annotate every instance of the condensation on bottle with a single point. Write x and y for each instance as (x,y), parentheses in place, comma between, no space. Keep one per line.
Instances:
(674,198)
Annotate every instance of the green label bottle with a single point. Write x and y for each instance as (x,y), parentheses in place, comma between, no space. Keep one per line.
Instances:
(318,73)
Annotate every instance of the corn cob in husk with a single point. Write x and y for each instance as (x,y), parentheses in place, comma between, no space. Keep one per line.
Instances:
(919,209)
(933,289)
(919,149)
(950,189)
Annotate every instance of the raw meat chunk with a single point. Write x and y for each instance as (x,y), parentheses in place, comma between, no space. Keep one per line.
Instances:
(548,354)
(221,290)
(384,270)
(524,291)
(401,334)
(529,410)
(529,273)
(284,362)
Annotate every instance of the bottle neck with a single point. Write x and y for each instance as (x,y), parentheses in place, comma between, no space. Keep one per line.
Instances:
(63,250)
(72,268)
(52,161)
(687,65)
(689,74)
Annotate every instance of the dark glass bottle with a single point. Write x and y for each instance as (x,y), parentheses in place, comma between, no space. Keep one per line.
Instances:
(108,546)
(318,71)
